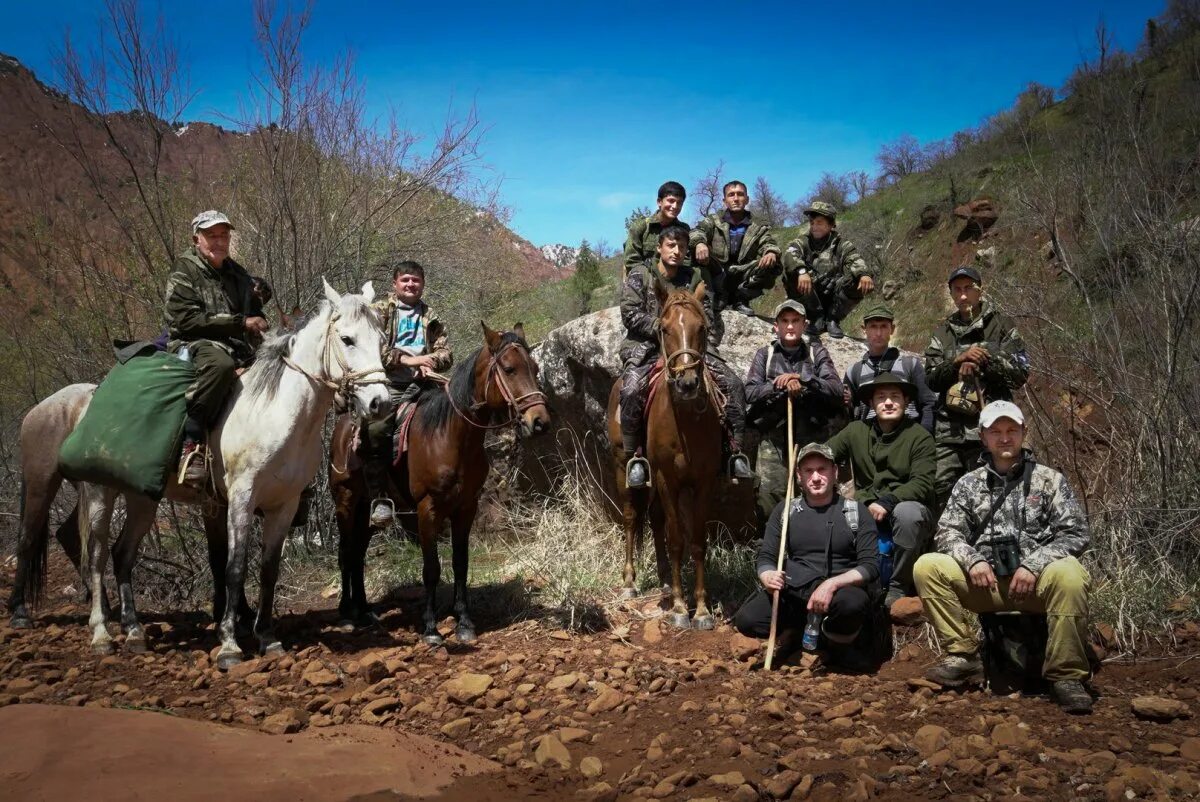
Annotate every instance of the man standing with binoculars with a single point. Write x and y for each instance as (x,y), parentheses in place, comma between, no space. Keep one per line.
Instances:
(1008,540)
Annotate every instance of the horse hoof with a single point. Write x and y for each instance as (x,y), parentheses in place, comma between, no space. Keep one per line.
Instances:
(346,625)
(704,622)
(103,647)
(274,649)
(465,634)
(135,645)
(627,594)
(680,621)
(228,660)
(368,619)
(433,640)
(21,622)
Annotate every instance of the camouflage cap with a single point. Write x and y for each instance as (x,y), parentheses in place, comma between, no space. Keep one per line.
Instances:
(795,306)
(209,219)
(822,208)
(819,449)
(879,312)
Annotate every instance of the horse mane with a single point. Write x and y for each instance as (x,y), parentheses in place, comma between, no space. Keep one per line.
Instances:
(434,407)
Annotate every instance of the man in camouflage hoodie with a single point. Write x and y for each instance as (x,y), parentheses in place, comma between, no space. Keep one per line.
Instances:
(824,271)
(640,350)
(1010,539)
(976,351)
(740,252)
(212,310)
(641,241)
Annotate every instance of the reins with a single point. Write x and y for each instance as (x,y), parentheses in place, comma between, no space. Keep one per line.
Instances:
(517,404)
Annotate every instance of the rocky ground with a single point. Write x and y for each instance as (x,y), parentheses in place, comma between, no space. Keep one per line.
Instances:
(641,711)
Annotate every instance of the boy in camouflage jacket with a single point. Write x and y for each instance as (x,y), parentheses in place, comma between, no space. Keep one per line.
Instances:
(824,272)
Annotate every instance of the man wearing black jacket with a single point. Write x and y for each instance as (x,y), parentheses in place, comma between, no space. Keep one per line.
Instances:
(831,562)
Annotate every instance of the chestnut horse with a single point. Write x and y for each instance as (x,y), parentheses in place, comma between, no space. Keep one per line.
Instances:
(683,447)
(443,472)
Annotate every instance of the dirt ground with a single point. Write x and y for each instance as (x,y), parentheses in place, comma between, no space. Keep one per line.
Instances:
(529,713)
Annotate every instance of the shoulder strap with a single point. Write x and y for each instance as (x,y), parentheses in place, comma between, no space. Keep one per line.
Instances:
(770,356)
(850,511)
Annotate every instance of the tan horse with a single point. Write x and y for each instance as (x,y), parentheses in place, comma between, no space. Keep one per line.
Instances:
(683,447)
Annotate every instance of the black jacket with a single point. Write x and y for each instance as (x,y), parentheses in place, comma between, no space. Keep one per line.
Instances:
(820,543)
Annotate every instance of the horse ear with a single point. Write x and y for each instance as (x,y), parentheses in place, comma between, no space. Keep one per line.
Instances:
(330,293)
(519,330)
(368,292)
(701,288)
(661,292)
(492,338)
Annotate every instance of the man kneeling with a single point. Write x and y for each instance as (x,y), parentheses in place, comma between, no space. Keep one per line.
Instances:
(1000,550)
(831,563)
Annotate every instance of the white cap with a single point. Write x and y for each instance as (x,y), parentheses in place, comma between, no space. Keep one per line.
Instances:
(1000,409)
(209,219)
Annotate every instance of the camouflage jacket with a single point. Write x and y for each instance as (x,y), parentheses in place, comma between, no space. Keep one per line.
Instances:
(838,257)
(1006,371)
(203,303)
(641,241)
(1048,523)
(437,343)
(640,312)
(713,231)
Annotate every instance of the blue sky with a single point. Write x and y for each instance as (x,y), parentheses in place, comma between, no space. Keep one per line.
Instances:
(589,107)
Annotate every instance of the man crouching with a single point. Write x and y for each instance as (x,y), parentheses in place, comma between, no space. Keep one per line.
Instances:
(831,563)
(1008,540)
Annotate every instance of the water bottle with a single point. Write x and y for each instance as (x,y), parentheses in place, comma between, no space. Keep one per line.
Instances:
(886,547)
(184,354)
(812,632)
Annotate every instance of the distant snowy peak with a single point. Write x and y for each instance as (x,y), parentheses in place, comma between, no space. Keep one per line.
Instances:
(563,256)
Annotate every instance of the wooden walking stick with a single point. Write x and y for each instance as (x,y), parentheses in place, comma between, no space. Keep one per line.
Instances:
(787,513)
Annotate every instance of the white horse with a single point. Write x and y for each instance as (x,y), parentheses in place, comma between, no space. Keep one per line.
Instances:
(266,447)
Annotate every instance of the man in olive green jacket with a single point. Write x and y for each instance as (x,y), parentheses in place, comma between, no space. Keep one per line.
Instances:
(824,271)
(641,241)
(740,252)
(893,462)
(212,311)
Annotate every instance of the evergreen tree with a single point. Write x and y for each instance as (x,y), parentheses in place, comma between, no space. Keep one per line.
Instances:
(587,276)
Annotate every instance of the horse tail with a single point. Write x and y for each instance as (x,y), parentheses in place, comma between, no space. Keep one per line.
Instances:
(85,533)
(37,546)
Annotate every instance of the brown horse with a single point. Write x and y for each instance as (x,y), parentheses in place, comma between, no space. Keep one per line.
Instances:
(443,473)
(683,447)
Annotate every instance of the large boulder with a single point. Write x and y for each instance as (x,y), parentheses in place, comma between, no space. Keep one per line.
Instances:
(579,365)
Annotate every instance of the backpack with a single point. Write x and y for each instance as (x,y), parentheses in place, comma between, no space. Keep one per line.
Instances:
(874,646)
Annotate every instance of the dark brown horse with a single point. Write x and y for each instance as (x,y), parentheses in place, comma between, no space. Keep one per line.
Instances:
(443,473)
(683,447)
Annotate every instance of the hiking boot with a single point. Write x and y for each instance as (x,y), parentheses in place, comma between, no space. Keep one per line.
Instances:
(743,308)
(193,465)
(739,466)
(637,473)
(382,513)
(815,327)
(955,670)
(835,331)
(893,595)
(1071,696)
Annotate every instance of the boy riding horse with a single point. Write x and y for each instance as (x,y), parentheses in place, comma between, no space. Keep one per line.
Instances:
(641,351)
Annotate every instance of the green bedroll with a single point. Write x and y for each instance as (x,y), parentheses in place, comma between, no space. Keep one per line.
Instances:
(129,437)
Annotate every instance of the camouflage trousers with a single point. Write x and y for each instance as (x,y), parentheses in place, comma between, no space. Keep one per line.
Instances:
(1061,593)
(954,460)
(830,298)
(738,286)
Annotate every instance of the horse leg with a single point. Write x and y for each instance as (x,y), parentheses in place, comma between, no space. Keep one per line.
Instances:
(429,523)
(35,501)
(658,528)
(274,533)
(460,534)
(139,515)
(216,531)
(674,537)
(635,521)
(67,536)
(240,521)
(354,539)
(697,534)
(97,503)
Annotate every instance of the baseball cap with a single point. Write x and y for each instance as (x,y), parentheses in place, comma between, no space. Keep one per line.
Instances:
(795,306)
(1000,409)
(879,312)
(819,449)
(965,270)
(209,219)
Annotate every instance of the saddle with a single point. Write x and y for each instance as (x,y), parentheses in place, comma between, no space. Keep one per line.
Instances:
(404,418)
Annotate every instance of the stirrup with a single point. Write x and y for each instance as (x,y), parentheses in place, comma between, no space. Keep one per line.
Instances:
(734,479)
(186,461)
(381,501)
(635,460)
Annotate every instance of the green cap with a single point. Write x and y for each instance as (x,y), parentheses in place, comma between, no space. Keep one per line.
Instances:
(795,306)
(867,390)
(820,449)
(822,208)
(879,312)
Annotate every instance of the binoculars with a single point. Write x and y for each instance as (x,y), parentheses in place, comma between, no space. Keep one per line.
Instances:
(1006,557)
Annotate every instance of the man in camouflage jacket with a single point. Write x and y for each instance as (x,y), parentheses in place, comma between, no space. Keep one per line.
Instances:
(212,309)
(976,349)
(1010,539)
(824,272)
(416,346)
(741,253)
(640,350)
(641,240)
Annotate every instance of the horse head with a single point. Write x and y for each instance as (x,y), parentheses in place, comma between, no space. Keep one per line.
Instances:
(511,379)
(683,335)
(354,341)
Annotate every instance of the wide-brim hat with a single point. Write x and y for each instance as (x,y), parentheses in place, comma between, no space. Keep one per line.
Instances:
(867,391)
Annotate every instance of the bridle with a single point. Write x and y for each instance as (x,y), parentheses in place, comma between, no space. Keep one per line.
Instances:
(671,360)
(517,404)
(335,351)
